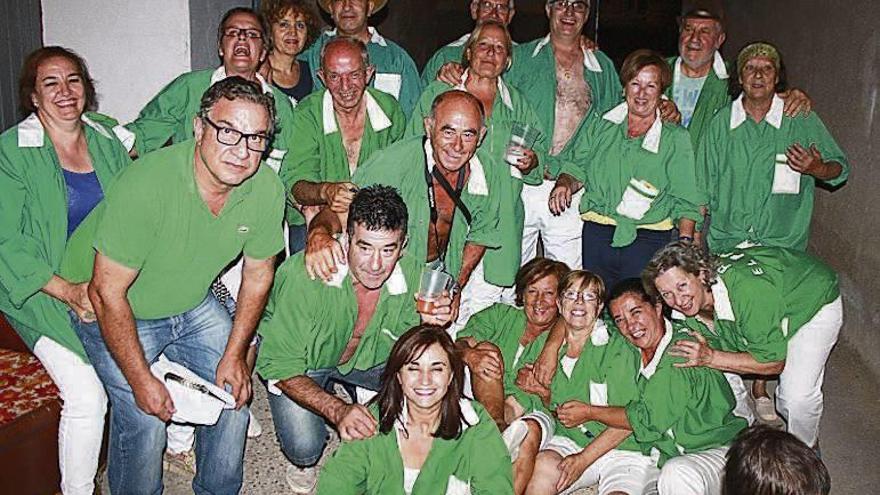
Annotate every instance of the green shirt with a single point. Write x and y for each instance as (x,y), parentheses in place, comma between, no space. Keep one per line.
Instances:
(170,114)
(504,326)
(681,410)
(155,221)
(638,181)
(713,95)
(477,459)
(508,108)
(452,52)
(402,165)
(534,74)
(308,323)
(33,223)
(317,153)
(763,296)
(604,374)
(396,73)
(744,164)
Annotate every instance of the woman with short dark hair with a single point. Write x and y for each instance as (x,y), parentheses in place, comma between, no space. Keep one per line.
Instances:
(431,439)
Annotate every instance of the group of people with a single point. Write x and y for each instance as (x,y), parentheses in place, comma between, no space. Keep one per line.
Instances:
(284,210)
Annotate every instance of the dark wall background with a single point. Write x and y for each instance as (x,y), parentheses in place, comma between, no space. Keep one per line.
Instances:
(21,32)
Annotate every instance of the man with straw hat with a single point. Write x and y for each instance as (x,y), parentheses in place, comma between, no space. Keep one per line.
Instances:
(396,73)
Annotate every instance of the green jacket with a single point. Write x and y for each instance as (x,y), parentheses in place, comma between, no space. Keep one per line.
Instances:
(509,107)
(534,74)
(396,72)
(451,52)
(317,153)
(638,181)
(33,223)
(402,165)
(308,322)
(713,97)
(681,410)
(742,160)
(477,460)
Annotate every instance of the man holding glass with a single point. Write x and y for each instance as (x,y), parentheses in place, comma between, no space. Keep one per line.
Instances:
(169,225)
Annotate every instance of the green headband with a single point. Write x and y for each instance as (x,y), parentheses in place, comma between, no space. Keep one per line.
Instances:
(757,50)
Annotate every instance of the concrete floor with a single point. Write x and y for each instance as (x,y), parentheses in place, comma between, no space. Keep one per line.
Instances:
(849,437)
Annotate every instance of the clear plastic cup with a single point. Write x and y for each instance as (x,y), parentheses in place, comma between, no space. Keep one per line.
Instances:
(433,283)
(522,135)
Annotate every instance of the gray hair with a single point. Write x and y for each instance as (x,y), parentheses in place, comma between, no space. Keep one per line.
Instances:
(689,257)
(238,88)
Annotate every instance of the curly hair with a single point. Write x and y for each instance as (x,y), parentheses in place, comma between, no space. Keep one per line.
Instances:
(378,207)
(535,270)
(684,255)
(275,10)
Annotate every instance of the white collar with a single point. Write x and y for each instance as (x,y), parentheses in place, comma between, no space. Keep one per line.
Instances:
(375,37)
(31,133)
(722,306)
(469,415)
(648,370)
(378,119)
(652,137)
(502,89)
(774,116)
(591,62)
(718,66)
(461,41)
(600,334)
(476,183)
(220,74)
(396,283)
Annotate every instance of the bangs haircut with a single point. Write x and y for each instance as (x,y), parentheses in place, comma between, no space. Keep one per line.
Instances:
(267,34)
(408,348)
(378,207)
(535,270)
(686,256)
(275,10)
(585,280)
(638,60)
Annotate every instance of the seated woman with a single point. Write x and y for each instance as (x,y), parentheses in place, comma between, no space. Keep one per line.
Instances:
(638,174)
(294,27)
(498,340)
(431,439)
(757,311)
(54,168)
(595,367)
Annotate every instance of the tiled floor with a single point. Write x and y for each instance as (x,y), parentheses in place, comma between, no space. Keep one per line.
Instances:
(850,434)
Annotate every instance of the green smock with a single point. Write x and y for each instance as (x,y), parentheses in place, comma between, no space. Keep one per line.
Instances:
(509,107)
(534,74)
(154,220)
(396,72)
(620,175)
(169,115)
(763,296)
(33,223)
(317,153)
(452,52)
(746,169)
(681,410)
(504,326)
(402,165)
(477,460)
(713,96)
(308,323)
(603,375)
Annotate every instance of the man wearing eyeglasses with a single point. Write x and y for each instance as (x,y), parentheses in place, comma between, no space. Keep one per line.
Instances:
(566,83)
(168,226)
(242,45)
(338,128)
(500,11)
(396,72)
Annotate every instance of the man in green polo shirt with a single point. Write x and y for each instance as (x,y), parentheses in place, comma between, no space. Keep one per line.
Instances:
(450,189)
(319,332)
(335,130)
(169,225)
(396,73)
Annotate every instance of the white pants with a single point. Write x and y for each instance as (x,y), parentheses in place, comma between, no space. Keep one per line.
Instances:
(693,474)
(799,396)
(743,409)
(616,471)
(476,296)
(81,428)
(561,234)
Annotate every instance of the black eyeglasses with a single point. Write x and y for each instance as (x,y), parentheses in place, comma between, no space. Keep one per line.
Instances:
(578,6)
(231,137)
(252,34)
(500,8)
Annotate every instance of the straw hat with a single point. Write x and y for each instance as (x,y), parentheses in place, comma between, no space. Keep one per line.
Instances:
(377,5)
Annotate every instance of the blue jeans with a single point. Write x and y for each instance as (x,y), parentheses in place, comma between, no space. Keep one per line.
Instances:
(302,433)
(296,235)
(195,339)
(617,264)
